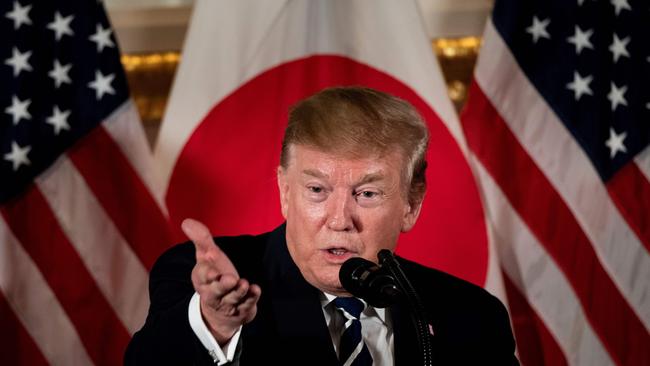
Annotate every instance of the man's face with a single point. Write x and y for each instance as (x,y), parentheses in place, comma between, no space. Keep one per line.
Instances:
(337,208)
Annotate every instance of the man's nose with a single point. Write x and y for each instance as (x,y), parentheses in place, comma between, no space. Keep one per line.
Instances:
(340,212)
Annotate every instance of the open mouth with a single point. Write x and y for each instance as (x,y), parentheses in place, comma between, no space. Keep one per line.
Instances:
(338,251)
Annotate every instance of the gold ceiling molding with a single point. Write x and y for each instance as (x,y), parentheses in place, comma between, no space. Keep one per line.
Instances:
(457,47)
(457,57)
(152,61)
(150,76)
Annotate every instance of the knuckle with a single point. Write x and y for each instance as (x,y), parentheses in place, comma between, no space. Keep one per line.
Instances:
(228,281)
(242,290)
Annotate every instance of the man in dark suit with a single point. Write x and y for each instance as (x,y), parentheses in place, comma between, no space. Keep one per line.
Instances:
(351,179)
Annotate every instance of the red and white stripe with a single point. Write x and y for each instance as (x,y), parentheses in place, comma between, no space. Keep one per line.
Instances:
(37,309)
(76,248)
(575,248)
(72,203)
(642,160)
(518,248)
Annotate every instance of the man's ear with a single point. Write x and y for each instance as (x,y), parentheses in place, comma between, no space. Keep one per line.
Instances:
(412,213)
(283,186)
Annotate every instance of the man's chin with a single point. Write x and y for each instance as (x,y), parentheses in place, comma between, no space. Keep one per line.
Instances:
(336,291)
(331,285)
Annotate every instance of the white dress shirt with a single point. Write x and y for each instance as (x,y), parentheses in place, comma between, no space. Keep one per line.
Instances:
(220,355)
(376,330)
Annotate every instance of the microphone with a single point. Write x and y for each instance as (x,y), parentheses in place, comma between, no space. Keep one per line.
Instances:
(385,284)
(366,280)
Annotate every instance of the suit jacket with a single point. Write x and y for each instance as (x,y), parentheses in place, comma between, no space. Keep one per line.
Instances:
(471,326)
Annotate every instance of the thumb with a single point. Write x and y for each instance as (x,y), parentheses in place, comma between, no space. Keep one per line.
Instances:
(206,250)
(198,234)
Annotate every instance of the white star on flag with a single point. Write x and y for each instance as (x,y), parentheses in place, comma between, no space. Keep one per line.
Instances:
(18,155)
(620,5)
(599,50)
(19,15)
(60,73)
(580,85)
(581,39)
(47,106)
(102,38)
(618,47)
(61,25)
(18,109)
(616,96)
(59,120)
(102,84)
(615,143)
(538,29)
(18,61)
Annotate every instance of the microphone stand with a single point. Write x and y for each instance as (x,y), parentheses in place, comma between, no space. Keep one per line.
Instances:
(418,314)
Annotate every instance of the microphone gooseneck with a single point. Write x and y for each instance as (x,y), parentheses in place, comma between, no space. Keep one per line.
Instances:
(419,316)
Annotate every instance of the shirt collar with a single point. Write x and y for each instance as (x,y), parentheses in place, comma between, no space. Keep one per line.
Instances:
(326,299)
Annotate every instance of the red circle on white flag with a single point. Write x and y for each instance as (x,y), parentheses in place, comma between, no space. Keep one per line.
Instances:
(225,174)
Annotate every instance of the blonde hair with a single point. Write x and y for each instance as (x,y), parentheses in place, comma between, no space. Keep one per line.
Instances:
(358,122)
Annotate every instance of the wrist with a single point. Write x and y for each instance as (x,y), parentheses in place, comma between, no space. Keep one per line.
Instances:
(220,329)
(222,336)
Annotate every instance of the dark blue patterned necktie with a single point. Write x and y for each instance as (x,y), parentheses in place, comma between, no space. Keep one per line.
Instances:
(352,350)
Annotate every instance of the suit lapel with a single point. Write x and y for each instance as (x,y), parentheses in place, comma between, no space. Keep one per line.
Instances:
(296,304)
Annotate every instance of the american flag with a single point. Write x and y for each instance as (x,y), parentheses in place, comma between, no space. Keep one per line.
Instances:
(80,224)
(558,120)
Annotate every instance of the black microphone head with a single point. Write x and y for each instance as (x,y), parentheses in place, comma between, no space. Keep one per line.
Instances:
(364,279)
(353,272)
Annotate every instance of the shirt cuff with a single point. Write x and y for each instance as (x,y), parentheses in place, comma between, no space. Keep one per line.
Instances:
(220,355)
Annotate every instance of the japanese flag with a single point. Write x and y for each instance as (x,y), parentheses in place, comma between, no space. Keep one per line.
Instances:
(245,63)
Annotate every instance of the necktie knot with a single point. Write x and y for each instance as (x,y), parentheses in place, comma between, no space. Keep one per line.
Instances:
(350,305)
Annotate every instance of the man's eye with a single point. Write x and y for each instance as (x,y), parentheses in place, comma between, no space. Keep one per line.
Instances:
(315,189)
(367,194)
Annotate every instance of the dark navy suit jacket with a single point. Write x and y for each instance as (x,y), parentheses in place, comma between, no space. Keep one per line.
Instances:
(471,326)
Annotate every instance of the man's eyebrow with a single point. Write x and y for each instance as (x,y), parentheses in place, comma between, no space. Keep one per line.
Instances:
(368,178)
(372,177)
(315,173)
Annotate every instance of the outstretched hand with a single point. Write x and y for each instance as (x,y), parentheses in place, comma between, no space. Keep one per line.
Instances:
(227,301)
